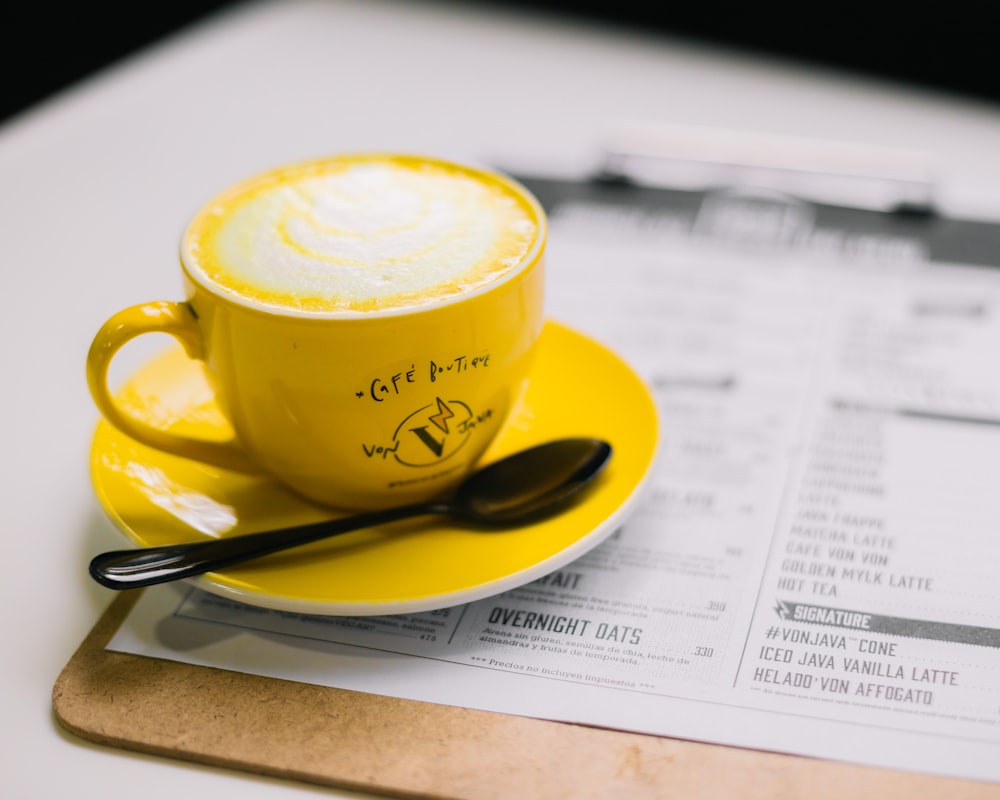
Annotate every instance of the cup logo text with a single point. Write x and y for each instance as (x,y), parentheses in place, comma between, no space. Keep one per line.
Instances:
(431,434)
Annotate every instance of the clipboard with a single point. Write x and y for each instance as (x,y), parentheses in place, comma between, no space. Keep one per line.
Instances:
(405,748)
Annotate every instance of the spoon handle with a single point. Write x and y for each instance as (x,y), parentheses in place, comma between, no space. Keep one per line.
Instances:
(145,566)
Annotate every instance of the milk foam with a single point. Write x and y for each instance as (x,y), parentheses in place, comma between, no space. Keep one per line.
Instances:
(361,233)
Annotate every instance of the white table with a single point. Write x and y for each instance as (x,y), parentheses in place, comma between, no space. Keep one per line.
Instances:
(96,184)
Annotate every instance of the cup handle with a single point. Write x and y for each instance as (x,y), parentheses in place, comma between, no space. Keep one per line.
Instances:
(177,320)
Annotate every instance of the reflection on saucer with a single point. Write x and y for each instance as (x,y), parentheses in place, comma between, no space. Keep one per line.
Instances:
(194,508)
(578,388)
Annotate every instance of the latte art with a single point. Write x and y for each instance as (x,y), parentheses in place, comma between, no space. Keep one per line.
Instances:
(361,234)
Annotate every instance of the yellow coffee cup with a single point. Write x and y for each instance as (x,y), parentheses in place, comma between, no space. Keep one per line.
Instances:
(366,322)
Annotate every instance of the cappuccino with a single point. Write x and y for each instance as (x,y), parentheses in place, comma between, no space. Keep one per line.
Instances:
(361,233)
(364,322)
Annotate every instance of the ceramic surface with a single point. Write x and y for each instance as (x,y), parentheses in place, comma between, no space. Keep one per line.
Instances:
(578,387)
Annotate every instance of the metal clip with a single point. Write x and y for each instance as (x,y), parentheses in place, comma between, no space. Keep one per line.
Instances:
(830,172)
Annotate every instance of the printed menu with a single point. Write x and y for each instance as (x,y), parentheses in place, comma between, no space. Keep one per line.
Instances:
(813,569)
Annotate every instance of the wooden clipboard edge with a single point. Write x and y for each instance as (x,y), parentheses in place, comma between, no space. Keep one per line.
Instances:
(405,748)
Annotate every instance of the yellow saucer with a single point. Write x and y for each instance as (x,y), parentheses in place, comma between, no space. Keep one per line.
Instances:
(577,388)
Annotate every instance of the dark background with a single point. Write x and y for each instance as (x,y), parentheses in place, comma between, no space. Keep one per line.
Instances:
(945,46)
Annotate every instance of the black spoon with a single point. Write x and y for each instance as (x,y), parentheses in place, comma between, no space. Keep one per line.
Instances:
(515,490)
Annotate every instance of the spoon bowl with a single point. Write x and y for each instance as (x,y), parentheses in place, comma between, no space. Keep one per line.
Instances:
(522,488)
